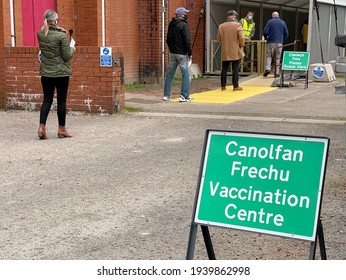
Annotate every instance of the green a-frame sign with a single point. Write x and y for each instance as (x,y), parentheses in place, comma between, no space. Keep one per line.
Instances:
(267,183)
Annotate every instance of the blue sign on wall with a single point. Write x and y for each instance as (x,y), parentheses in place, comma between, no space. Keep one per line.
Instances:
(106,56)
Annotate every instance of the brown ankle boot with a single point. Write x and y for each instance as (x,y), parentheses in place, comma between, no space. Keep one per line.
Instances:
(62,132)
(42,131)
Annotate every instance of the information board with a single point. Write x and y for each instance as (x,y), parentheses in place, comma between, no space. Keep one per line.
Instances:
(264,183)
(106,56)
(296,61)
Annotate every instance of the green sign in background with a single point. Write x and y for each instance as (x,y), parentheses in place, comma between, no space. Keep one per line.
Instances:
(296,61)
(303,180)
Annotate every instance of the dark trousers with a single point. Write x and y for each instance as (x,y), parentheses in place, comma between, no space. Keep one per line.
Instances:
(49,85)
(235,72)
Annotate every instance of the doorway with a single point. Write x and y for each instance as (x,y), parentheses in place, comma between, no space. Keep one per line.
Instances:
(32,19)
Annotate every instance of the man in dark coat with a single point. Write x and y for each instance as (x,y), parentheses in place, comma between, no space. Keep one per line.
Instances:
(180,53)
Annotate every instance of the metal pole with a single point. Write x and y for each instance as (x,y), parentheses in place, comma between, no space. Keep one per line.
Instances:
(321,241)
(192,242)
(311,8)
(103,24)
(13,42)
(199,22)
(208,244)
(207,37)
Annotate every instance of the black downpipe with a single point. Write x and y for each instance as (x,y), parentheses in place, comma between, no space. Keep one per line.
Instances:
(199,22)
(319,29)
(336,24)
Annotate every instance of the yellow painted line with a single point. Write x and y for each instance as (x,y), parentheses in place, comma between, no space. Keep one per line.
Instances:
(227,96)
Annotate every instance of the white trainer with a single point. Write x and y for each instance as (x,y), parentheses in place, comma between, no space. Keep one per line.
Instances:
(184,99)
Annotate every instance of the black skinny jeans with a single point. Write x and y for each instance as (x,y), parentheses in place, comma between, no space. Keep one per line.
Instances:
(49,85)
(235,72)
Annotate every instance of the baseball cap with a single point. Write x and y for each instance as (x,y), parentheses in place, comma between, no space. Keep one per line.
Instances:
(232,13)
(181,10)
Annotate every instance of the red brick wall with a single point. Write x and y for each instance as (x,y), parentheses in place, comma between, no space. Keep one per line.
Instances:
(5,10)
(150,28)
(122,29)
(136,27)
(87,19)
(2,61)
(18,26)
(66,12)
(133,25)
(195,7)
(93,89)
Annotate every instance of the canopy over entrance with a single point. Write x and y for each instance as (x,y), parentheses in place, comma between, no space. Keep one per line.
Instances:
(303,4)
(326,20)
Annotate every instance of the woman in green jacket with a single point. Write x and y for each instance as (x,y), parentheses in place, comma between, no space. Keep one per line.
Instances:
(55,71)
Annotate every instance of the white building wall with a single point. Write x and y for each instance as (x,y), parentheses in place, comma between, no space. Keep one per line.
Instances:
(324,30)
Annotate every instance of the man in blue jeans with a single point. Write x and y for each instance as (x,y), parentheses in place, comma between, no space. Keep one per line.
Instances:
(180,53)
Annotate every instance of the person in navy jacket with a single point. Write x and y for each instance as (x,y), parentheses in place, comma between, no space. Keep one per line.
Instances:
(275,32)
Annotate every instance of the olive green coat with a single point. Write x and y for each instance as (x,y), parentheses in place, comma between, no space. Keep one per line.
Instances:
(55,53)
(230,34)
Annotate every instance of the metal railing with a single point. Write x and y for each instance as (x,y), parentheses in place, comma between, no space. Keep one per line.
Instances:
(294,44)
(254,60)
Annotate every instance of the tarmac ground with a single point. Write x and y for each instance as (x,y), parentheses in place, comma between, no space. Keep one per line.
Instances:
(123,187)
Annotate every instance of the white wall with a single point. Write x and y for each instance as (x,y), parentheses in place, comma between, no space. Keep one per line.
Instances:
(324,33)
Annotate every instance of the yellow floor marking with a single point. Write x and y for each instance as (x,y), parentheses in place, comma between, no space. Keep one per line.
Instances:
(228,95)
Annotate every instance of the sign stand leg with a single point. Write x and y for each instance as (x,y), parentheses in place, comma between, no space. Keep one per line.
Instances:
(320,237)
(306,80)
(208,244)
(192,242)
(322,243)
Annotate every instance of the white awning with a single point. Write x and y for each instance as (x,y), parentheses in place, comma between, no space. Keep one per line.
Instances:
(303,4)
(322,27)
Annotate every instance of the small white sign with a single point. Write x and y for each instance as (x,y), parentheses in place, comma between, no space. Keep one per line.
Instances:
(106,56)
(72,43)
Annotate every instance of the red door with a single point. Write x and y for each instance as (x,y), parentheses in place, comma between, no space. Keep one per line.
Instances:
(32,18)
